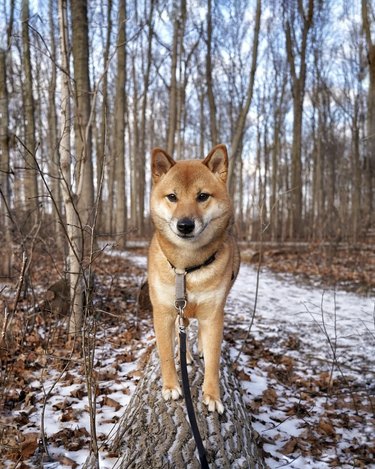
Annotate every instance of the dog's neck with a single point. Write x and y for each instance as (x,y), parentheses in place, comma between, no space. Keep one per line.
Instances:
(190,257)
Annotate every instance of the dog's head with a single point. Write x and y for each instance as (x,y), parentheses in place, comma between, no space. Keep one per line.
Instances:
(189,199)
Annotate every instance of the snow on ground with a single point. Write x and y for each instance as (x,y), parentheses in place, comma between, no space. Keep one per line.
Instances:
(286,367)
(307,328)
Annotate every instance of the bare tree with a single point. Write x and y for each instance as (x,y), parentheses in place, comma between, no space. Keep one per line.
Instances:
(177,46)
(30,177)
(82,121)
(142,147)
(210,91)
(293,19)
(104,112)
(367,13)
(241,119)
(74,234)
(5,194)
(120,107)
(53,141)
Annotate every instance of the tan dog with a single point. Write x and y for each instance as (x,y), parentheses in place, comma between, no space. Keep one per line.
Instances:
(193,218)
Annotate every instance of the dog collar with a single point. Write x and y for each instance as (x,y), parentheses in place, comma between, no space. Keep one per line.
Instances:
(207,262)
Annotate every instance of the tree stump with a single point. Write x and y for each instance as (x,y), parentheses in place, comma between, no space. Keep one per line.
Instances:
(154,433)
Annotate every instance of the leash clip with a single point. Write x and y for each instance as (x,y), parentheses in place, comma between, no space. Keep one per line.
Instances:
(181,325)
(180,301)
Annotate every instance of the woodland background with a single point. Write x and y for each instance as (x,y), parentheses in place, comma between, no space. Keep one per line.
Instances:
(289,86)
(87,89)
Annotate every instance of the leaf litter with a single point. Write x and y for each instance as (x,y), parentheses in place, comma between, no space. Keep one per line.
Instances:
(306,369)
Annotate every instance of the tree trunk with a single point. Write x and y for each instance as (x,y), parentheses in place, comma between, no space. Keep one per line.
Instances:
(357,182)
(30,177)
(5,195)
(142,149)
(120,107)
(73,231)
(53,142)
(135,148)
(177,43)
(154,433)
(241,120)
(82,124)
(298,89)
(370,143)
(210,91)
(296,178)
(104,114)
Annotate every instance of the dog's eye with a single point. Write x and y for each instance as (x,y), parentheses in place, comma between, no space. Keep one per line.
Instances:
(202,197)
(172,197)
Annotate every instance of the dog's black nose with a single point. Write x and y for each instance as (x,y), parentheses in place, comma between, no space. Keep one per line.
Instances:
(185,226)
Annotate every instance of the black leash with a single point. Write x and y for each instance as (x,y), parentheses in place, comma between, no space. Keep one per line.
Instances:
(188,401)
(180,304)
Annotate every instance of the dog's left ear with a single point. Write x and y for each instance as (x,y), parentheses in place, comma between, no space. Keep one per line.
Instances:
(161,163)
(217,161)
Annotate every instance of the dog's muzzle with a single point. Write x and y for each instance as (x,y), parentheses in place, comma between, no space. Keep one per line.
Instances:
(185,226)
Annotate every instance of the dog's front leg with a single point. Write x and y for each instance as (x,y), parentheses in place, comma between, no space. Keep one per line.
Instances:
(211,333)
(164,330)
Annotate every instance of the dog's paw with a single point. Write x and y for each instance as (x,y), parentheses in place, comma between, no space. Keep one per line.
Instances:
(173,393)
(213,404)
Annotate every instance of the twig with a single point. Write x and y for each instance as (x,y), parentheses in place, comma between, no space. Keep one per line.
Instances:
(47,395)
(333,347)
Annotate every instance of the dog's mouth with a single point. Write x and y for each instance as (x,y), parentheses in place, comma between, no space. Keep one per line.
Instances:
(188,236)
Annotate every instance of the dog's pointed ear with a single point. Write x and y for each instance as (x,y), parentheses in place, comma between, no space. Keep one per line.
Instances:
(161,163)
(217,161)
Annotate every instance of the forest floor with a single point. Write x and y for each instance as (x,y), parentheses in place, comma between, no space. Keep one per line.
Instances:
(306,369)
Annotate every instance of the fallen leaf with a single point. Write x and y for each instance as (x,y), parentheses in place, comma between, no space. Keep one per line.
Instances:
(111,403)
(243,376)
(64,460)
(326,427)
(290,446)
(269,396)
(29,444)
(70,414)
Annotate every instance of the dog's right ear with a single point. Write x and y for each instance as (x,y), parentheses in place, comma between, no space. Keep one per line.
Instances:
(161,163)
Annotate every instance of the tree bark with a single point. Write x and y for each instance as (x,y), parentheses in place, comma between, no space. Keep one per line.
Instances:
(5,196)
(356,171)
(82,124)
(370,143)
(177,44)
(210,91)
(135,147)
(120,107)
(142,149)
(102,132)
(241,120)
(298,90)
(73,231)
(30,178)
(154,433)
(53,141)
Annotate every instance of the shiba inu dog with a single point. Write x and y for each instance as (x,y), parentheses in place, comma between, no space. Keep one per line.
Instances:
(193,218)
